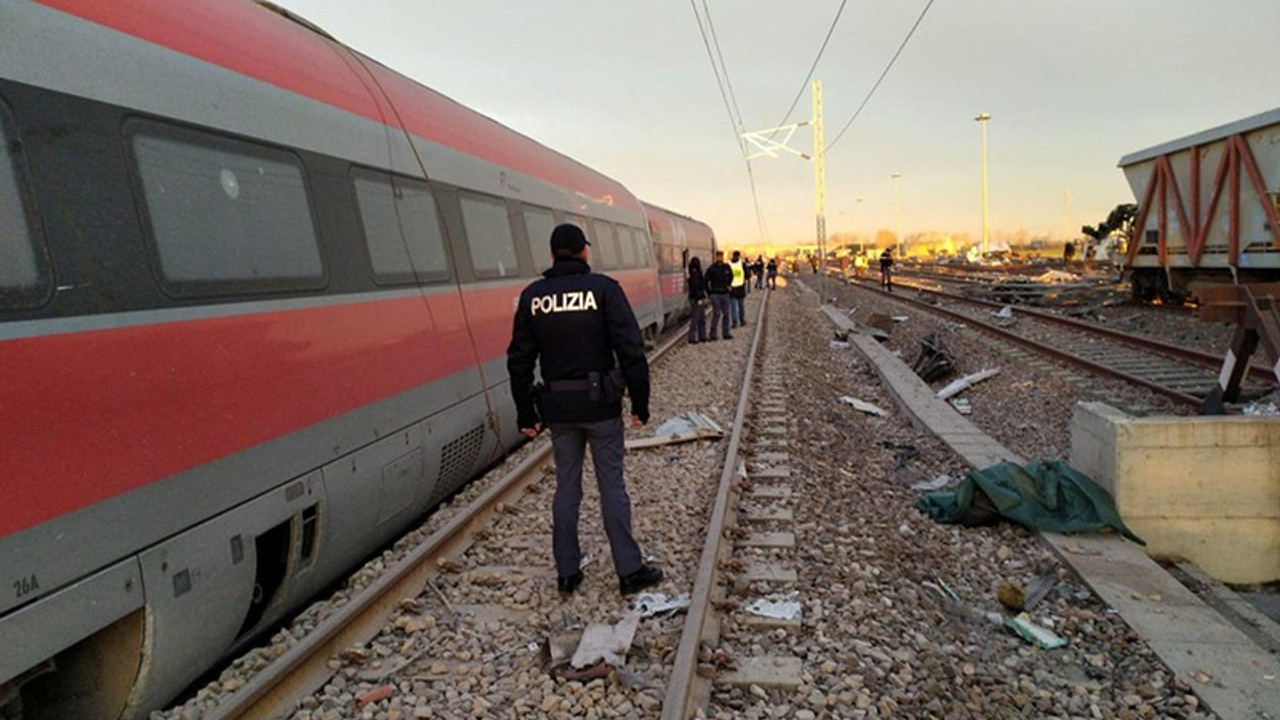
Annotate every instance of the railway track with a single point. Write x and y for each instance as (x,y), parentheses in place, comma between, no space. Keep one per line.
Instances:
(311,664)
(1181,374)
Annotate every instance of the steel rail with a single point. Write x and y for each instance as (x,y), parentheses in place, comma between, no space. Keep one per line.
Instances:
(1198,357)
(303,669)
(1099,368)
(683,692)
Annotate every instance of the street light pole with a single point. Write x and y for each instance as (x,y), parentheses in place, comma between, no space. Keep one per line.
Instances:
(982,119)
(857,216)
(897,196)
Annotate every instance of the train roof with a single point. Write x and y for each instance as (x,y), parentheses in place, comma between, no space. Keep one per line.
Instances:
(1253,122)
(261,41)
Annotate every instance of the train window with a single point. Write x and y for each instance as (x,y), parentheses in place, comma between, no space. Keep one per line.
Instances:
(538,224)
(23,281)
(627,246)
(401,229)
(489,241)
(225,215)
(604,245)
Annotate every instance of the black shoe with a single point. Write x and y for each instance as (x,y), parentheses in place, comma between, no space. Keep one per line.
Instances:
(566,585)
(646,576)
(727,336)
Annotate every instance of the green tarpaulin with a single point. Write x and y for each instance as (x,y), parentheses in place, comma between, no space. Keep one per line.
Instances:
(1049,496)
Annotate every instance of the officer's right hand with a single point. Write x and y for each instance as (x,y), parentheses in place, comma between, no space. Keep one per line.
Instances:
(533,431)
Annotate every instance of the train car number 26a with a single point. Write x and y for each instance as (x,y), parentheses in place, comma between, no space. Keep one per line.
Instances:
(25,586)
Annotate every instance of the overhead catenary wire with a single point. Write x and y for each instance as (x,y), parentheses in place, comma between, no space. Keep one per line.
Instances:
(804,86)
(721,72)
(884,74)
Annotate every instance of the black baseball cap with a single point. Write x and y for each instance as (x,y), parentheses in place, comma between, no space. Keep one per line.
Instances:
(568,237)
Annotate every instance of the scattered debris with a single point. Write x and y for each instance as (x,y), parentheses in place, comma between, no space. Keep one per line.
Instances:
(935,484)
(785,608)
(1260,409)
(687,427)
(961,405)
(1056,276)
(606,643)
(838,345)
(381,692)
(899,318)
(971,379)
(881,322)
(1039,588)
(1044,495)
(1012,596)
(1029,631)
(862,406)
(651,604)
(935,361)
(1004,312)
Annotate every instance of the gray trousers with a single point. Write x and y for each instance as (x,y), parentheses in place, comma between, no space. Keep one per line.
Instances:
(569,442)
(719,314)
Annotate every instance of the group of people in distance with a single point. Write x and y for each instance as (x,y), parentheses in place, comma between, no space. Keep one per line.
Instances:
(724,286)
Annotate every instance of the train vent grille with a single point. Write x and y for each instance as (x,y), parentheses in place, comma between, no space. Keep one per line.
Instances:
(459,456)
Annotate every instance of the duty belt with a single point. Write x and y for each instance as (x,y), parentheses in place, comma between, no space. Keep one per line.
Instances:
(568,385)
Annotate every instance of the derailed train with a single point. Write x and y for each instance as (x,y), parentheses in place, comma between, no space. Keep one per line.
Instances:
(255,295)
(1208,209)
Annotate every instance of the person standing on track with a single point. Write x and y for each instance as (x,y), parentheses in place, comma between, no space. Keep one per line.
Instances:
(574,322)
(719,278)
(886,269)
(738,291)
(696,285)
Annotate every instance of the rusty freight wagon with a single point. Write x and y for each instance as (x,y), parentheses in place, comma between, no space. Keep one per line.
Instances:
(1207,209)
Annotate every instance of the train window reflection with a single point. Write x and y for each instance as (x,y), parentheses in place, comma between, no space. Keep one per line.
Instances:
(604,245)
(21,277)
(627,244)
(226,215)
(489,240)
(401,229)
(538,224)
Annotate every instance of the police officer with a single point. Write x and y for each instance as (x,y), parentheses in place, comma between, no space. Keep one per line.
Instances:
(574,322)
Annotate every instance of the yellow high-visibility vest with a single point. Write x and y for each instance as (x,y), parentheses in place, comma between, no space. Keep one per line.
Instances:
(739,275)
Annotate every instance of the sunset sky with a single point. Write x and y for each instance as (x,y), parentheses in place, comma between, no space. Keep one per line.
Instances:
(627,87)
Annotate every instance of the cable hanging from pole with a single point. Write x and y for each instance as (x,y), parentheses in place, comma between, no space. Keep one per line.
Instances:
(730,102)
(887,68)
(804,85)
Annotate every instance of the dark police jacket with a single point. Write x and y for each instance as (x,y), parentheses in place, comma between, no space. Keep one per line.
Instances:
(573,322)
(719,277)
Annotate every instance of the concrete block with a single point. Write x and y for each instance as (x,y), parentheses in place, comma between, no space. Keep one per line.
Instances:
(1212,544)
(1204,489)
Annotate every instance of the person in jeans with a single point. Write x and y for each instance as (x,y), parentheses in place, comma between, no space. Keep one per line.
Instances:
(738,291)
(696,285)
(886,269)
(719,277)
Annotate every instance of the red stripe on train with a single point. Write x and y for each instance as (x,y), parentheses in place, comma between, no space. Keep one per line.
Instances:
(86,416)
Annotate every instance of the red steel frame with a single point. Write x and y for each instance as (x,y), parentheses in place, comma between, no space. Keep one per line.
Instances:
(1237,154)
